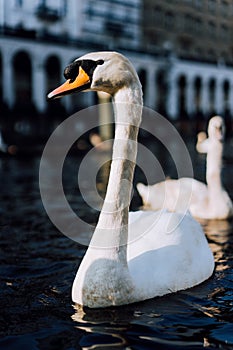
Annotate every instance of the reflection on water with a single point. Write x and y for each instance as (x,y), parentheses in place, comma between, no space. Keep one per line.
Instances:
(109,326)
(219,236)
(38,265)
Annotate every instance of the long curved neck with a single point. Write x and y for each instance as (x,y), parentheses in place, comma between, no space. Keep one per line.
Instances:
(214,165)
(112,228)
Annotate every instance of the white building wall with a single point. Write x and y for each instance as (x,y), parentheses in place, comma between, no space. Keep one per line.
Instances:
(39,53)
(77,25)
(192,70)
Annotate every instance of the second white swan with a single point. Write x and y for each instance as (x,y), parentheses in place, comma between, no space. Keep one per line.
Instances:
(206,201)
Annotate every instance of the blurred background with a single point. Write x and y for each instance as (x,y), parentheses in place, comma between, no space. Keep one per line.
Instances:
(182,51)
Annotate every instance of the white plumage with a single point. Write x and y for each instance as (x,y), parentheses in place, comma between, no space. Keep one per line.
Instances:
(206,201)
(141,255)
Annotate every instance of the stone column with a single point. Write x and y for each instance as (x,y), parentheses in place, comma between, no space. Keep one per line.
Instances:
(38,84)
(150,98)
(172,97)
(230,100)
(219,97)
(8,90)
(2,13)
(190,99)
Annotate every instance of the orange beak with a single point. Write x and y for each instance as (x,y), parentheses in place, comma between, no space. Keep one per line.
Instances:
(81,82)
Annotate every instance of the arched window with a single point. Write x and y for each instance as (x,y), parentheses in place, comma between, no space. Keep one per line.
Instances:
(55,108)
(226,93)
(212,88)
(182,97)
(227,112)
(53,70)
(197,94)
(142,78)
(22,71)
(161,88)
(3,105)
(169,20)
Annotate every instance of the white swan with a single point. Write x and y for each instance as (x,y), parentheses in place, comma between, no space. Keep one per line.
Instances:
(153,254)
(209,201)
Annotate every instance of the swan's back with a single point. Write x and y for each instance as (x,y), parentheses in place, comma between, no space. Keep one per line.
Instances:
(172,254)
(174,195)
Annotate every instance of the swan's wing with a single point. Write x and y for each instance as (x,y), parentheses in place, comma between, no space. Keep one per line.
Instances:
(160,195)
(174,195)
(198,188)
(150,230)
(170,253)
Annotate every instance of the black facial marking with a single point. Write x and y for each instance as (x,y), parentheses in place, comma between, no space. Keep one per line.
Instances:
(71,72)
(99,62)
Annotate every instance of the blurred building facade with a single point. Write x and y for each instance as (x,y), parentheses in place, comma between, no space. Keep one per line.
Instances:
(198,35)
(39,38)
(181,49)
(192,29)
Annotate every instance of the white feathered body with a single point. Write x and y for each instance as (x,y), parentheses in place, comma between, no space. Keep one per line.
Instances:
(131,256)
(166,252)
(206,201)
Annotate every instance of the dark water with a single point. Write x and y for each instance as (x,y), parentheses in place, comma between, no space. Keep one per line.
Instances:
(38,265)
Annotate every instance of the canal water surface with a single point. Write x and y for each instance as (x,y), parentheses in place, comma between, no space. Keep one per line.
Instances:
(38,265)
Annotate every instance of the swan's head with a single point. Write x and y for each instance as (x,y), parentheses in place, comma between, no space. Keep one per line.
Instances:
(216,128)
(97,71)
